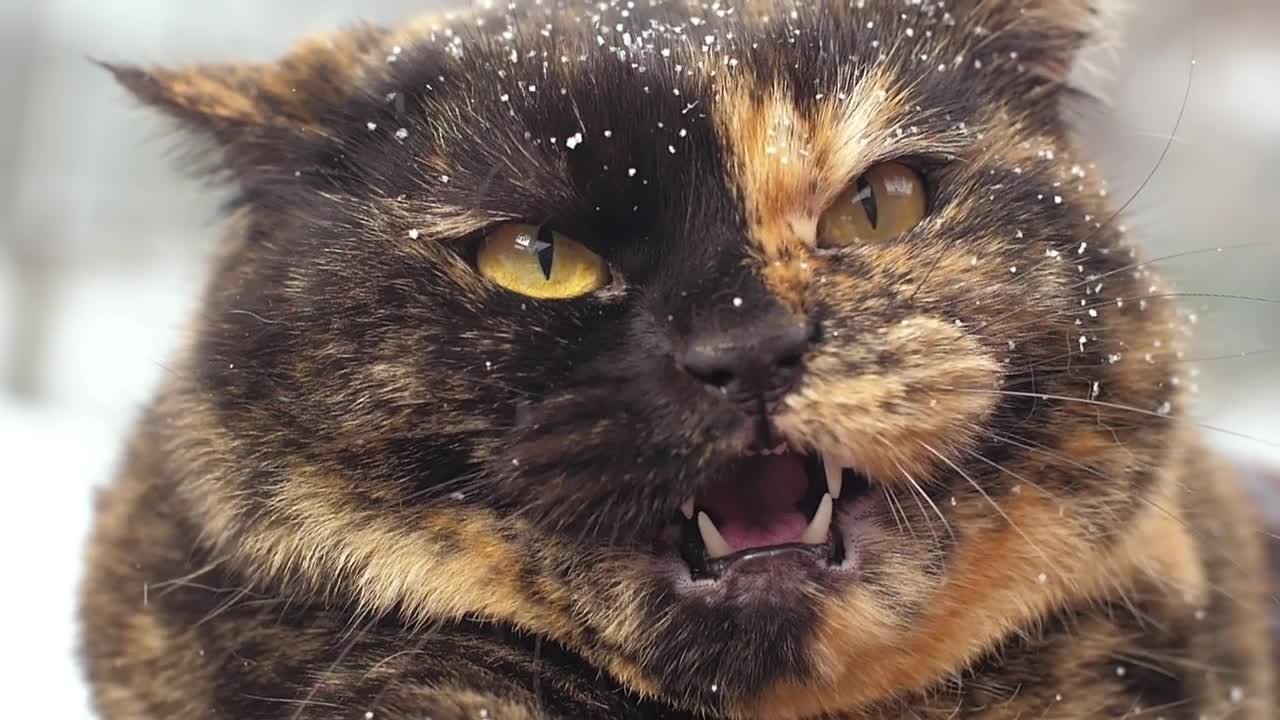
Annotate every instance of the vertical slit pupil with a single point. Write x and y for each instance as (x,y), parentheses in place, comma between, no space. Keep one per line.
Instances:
(545,248)
(868,197)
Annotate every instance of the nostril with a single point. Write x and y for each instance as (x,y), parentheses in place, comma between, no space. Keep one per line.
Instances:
(709,366)
(716,378)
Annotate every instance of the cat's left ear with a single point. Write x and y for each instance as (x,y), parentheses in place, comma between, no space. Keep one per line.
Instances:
(261,117)
(1049,37)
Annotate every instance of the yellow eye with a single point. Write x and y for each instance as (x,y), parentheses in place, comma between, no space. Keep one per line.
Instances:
(883,203)
(539,262)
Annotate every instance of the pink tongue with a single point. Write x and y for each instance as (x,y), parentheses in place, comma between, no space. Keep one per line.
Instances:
(756,505)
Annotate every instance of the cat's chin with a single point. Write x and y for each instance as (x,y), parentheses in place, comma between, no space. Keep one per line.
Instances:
(777,520)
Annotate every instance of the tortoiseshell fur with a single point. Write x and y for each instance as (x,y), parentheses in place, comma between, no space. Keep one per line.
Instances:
(379,486)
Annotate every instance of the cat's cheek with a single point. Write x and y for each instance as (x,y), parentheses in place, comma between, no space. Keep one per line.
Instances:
(933,622)
(888,421)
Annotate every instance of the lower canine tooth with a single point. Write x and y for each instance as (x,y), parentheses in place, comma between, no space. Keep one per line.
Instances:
(686,509)
(835,476)
(820,525)
(711,539)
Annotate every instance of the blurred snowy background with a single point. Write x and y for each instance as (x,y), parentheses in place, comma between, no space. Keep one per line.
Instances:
(102,246)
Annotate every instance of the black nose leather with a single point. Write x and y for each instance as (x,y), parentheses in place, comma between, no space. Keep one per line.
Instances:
(761,356)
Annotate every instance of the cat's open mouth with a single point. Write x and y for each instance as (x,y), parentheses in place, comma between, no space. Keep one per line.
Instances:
(767,503)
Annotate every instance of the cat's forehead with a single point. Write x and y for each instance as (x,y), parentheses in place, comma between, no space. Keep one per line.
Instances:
(783,103)
(821,79)
(631,27)
(708,37)
(698,42)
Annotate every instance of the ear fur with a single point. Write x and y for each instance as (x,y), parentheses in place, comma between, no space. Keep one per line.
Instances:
(1051,37)
(253,111)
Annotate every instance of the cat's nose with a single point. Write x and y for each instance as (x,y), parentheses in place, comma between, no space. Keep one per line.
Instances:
(762,356)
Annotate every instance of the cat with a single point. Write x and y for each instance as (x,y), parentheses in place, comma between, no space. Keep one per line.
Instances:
(663,360)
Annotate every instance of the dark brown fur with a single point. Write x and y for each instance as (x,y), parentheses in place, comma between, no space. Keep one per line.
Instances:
(378,485)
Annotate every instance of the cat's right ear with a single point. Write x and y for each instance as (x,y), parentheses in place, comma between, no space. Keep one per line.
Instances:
(265,117)
(1048,36)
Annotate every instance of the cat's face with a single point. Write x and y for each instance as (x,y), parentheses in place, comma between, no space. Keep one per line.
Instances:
(510,291)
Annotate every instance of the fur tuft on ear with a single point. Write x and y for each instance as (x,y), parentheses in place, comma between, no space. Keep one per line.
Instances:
(248,109)
(1049,37)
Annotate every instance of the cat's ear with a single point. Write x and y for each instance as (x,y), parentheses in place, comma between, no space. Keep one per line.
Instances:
(261,116)
(1050,38)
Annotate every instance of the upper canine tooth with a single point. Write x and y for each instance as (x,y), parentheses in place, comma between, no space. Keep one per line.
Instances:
(835,475)
(820,525)
(686,509)
(711,539)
